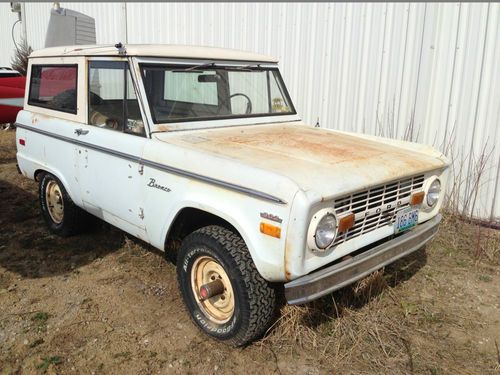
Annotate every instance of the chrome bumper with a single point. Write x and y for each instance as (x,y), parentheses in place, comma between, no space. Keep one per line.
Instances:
(327,280)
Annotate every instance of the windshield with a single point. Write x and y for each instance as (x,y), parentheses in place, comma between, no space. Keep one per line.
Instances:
(204,92)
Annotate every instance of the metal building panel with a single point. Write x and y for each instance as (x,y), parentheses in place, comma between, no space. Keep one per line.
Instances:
(7,47)
(427,72)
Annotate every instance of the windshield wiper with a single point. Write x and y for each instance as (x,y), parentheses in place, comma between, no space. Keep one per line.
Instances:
(199,68)
(195,68)
(246,68)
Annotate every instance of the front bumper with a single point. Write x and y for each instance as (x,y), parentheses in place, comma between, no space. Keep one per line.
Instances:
(327,280)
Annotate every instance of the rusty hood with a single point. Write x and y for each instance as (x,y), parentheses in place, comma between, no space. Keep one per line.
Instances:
(330,163)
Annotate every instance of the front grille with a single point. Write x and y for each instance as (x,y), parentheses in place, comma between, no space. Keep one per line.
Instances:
(371,207)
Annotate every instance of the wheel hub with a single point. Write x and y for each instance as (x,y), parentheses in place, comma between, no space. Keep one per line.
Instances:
(212,289)
(53,197)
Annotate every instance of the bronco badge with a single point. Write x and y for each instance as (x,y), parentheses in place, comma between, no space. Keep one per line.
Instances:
(153,184)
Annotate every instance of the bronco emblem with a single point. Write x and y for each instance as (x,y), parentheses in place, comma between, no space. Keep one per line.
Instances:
(153,184)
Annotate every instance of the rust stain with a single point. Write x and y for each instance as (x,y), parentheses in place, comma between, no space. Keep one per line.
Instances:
(308,150)
(288,274)
(37,117)
(330,164)
(163,128)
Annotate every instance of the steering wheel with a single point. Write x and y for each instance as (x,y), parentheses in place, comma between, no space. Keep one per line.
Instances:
(249,102)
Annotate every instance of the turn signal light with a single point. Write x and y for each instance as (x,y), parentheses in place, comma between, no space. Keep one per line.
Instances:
(417,198)
(270,230)
(346,223)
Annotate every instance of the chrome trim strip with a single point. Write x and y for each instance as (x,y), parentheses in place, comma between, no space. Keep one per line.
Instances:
(319,283)
(158,166)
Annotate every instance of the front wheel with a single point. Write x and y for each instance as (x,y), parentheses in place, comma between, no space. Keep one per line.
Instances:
(223,291)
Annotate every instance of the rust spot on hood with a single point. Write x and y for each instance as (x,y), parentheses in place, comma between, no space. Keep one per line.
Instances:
(316,159)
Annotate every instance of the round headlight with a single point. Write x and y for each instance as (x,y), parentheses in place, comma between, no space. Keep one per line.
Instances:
(325,231)
(433,193)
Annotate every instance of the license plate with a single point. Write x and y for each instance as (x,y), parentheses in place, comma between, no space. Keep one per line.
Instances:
(406,219)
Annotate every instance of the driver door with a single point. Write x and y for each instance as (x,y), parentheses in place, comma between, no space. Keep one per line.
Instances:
(110,173)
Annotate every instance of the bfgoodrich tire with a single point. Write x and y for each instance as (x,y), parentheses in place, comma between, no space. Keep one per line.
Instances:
(62,216)
(244,309)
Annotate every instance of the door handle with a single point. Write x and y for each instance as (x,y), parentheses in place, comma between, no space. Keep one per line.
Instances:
(81,132)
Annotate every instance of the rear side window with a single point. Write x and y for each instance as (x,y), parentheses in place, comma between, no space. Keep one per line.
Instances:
(54,87)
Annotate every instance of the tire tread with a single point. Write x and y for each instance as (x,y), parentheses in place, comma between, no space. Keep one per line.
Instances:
(261,296)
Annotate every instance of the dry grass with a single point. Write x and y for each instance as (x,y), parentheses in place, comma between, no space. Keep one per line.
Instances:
(405,320)
(468,170)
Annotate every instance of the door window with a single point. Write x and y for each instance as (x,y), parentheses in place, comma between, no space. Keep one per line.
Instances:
(112,100)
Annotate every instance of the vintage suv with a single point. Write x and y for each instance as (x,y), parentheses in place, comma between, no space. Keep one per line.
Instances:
(200,152)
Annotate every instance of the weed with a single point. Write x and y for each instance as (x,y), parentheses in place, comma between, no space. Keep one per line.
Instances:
(485,278)
(40,318)
(408,308)
(47,361)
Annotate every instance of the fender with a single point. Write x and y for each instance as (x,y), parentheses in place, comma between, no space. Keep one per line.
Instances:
(266,252)
(30,166)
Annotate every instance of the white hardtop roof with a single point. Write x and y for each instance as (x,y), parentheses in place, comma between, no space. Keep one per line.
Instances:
(154,50)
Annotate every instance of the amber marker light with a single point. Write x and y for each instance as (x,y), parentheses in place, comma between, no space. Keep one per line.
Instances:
(270,230)
(345,223)
(417,198)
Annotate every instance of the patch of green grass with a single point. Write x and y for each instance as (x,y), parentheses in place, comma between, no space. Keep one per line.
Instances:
(485,278)
(152,354)
(408,308)
(47,361)
(40,317)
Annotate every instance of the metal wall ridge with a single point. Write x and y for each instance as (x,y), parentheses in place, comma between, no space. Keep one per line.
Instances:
(426,72)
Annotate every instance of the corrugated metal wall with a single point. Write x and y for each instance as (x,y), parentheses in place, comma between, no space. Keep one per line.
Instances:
(426,72)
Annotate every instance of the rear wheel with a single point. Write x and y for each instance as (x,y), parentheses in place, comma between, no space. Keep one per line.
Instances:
(62,216)
(223,291)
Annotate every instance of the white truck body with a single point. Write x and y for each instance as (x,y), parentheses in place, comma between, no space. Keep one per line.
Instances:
(246,171)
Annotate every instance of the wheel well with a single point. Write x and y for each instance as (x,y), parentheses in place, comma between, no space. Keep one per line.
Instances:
(39,172)
(187,221)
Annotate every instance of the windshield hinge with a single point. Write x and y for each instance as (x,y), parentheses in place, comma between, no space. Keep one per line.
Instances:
(141,213)
(141,169)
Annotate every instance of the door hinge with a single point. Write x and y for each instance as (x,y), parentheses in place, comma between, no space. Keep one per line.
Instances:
(141,214)
(141,169)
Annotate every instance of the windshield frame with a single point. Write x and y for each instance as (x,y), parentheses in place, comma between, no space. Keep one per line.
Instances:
(219,121)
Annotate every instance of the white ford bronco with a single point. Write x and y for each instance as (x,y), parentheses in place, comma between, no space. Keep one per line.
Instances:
(200,152)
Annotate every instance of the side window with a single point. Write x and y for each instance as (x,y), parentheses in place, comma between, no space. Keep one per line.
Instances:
(278,102)
(54,87)
(112,100)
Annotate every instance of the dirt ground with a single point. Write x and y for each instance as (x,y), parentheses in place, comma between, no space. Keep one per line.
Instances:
(105,303)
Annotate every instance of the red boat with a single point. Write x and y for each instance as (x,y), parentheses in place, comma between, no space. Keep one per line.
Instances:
(12,86)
